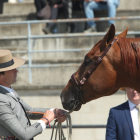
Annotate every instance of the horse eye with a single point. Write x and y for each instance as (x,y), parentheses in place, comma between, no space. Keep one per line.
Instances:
(87,61)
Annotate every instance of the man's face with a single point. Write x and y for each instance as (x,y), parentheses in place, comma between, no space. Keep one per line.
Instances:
(133,95)
(10,77)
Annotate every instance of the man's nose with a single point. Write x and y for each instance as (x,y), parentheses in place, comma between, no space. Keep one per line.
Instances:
(16,70)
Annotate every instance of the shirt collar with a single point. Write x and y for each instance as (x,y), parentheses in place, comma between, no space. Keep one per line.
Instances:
(8,89)
(131,105)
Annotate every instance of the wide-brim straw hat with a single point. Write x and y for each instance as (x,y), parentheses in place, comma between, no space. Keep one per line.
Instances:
(8,62)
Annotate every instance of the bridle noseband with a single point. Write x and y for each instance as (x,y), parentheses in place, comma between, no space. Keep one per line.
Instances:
(82,81)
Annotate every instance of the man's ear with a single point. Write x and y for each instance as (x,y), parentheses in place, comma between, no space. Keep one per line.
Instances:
(108,38)
(2,74)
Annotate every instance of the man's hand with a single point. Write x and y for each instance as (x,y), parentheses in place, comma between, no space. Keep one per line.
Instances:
(55,6)
(48,115)
(58,5)
(59,114)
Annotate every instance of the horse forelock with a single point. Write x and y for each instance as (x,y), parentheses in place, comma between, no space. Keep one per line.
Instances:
(130,55)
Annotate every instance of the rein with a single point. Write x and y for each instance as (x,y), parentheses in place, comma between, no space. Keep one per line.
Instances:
(58,125)
(80,96)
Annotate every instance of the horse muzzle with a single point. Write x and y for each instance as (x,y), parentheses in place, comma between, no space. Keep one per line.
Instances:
(71,106)
(70,103)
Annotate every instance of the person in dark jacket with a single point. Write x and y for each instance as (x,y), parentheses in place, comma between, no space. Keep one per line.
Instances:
(39,4)
(123,121)
(57,6)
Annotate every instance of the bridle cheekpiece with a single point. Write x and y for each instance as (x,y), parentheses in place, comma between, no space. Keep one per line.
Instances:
(78,85)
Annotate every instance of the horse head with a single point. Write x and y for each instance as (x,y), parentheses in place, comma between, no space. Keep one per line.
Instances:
(98,74)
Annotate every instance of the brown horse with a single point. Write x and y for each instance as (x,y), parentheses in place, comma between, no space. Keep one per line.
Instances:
(114,62)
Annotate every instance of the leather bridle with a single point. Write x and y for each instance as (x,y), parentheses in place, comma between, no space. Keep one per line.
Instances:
(90,70)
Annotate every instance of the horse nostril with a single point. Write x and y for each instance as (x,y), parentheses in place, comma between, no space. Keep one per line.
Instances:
(68,106)
(72,103)
(65,106)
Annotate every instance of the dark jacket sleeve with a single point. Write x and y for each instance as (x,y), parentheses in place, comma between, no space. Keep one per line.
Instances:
(111,130)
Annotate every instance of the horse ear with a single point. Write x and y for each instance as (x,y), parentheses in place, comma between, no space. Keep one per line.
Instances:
(123,34)
(108,38)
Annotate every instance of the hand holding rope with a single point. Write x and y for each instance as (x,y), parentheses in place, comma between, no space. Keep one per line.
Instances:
(69,125)
(59,124)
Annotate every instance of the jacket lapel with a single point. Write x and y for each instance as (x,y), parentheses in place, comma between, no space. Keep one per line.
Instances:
(4,91)
(128,116)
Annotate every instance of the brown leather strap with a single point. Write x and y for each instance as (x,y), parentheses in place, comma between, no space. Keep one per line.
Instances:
(84,78)
(98,61)
(29,112)
(24,111)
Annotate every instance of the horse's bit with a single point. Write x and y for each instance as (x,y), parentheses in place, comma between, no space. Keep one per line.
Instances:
(82,81)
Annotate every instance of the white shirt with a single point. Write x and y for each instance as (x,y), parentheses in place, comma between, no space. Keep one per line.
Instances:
(40,121)
(9,89)
(135,121)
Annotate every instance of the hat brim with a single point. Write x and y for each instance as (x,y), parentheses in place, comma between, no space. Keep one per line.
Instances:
(17,63)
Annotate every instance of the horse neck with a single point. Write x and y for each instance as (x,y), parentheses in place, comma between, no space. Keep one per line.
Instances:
(130,61)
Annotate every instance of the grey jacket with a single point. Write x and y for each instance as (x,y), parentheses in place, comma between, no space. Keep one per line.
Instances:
(13,120)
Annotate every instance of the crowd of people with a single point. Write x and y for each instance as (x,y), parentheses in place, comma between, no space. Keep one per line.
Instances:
(53,7)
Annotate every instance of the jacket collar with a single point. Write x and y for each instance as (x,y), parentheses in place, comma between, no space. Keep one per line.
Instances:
(128,116)
(5,91)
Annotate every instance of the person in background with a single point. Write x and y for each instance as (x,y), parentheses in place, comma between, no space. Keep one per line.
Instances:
(57,6)
(91,5)
(14,120)
(39,4)
(123,121)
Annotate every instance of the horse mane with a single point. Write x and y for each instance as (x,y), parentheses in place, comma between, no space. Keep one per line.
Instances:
(130,55)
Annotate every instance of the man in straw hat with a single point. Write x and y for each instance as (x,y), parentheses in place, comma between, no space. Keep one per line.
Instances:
(14,122)
(124,120)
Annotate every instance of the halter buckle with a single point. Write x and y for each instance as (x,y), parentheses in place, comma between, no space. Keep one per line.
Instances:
(99,59)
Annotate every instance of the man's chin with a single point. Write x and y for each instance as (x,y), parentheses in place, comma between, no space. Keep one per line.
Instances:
(136,100)
(14,81)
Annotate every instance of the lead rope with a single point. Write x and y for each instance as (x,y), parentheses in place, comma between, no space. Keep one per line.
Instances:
(59,126)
